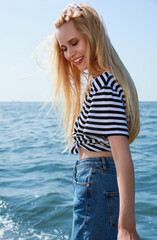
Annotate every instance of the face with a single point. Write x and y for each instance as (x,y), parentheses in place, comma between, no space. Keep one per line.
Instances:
(73,44)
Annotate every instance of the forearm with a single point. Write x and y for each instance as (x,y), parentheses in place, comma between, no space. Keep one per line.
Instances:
(126,182)
(126,185)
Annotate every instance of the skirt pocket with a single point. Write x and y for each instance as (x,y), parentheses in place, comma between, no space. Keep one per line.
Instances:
(113,208)
(82,176)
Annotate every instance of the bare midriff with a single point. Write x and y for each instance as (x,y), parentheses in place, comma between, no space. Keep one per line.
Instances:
(89,154)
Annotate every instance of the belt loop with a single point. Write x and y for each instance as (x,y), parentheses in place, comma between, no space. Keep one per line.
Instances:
(104,163)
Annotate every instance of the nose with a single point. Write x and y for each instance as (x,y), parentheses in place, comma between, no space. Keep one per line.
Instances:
(70,53)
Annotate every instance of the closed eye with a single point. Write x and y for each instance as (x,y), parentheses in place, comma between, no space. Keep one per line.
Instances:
(75,43)
(64,49)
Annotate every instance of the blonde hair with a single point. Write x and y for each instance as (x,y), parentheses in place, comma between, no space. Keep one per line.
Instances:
(101,56)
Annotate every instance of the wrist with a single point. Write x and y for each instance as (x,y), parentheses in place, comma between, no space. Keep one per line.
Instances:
(127,222)
(127,234)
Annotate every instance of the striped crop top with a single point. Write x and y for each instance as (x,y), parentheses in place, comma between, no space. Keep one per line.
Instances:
(102,115)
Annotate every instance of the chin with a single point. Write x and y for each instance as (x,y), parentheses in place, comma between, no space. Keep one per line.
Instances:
(82,68)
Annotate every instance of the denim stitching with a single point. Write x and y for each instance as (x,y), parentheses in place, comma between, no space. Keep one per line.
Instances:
(87,211)
(108,196)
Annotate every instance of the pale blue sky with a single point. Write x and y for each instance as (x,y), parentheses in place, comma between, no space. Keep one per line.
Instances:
(131,25)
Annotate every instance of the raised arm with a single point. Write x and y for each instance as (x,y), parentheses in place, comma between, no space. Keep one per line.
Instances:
(126,184)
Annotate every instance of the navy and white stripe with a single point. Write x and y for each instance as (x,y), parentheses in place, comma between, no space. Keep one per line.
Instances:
(102,115)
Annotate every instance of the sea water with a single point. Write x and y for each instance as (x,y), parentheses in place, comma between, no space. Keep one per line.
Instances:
(36,192)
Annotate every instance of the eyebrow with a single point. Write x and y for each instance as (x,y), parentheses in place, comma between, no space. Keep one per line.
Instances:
(69,41)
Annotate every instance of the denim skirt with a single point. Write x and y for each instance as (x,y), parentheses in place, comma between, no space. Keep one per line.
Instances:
(96,199)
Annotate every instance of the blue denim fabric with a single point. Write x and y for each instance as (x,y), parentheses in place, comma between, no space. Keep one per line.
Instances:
(96,199)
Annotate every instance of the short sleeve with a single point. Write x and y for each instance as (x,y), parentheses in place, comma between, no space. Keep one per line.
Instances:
(107,113)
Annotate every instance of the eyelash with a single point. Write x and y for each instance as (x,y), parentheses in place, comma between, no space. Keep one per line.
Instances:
(74,44)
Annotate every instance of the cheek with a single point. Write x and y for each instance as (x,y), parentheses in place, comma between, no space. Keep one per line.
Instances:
(84,48)
(65,55)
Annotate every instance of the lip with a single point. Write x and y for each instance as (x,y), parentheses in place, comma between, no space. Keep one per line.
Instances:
(80,61)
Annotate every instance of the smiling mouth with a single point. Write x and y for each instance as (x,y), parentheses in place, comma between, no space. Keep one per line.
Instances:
(78,60)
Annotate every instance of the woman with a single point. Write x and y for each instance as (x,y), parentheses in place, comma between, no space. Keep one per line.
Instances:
(101,119)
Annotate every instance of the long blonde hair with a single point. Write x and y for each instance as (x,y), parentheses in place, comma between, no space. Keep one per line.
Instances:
(101,56)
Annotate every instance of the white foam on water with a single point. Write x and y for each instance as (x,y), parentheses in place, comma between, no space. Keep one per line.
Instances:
(7,226)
